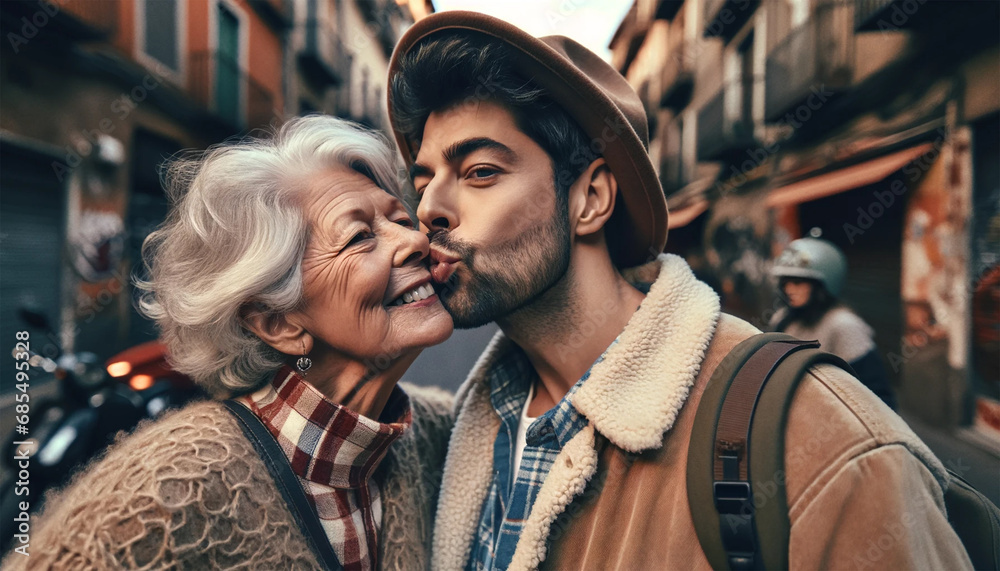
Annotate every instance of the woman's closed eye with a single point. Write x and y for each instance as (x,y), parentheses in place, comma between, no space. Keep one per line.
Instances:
(359,237)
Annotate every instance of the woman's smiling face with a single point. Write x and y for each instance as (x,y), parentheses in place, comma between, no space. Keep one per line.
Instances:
(366,283)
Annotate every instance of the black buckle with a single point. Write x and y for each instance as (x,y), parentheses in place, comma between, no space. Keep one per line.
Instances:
(734,502)
(742,561)
(732,497)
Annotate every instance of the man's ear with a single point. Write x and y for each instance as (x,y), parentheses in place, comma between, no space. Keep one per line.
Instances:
(592,198)
(281,332)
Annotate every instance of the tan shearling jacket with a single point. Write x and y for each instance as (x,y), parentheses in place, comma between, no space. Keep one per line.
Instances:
(863,491)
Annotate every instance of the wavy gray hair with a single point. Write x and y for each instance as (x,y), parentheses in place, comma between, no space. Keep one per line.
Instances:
(235,236)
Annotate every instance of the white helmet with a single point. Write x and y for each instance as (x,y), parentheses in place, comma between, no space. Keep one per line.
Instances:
(814,259)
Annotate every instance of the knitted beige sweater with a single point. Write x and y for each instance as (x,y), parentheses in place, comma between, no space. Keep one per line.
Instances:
(189,492)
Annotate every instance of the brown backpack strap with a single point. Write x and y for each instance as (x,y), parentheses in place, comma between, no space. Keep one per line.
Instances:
(735,530)
(732,434)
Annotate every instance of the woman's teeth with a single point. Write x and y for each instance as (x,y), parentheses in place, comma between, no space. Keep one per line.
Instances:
(421,293)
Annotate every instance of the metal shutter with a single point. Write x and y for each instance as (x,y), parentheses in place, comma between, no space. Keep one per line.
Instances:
(32,205)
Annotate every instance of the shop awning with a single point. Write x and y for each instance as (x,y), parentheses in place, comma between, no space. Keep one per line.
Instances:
(683,216)
(689,202)
(847,178)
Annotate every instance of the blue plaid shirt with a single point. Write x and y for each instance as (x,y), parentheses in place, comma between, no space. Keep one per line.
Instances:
(508,502)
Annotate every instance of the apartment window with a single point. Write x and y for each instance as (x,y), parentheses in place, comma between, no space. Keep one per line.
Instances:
(227,65)
(740,85)
(160,28)
(799,12)
(745,56)
(365,94)
(689,143)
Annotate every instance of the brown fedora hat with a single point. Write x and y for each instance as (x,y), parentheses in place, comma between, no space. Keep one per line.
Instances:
(597,97)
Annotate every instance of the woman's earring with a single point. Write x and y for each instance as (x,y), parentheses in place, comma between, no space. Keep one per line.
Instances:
(304,363)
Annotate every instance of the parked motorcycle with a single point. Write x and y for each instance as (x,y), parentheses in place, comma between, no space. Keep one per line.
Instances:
(92,405)
(144,368)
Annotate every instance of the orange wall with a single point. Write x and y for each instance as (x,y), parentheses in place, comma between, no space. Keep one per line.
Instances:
(265,58)
(197,25)
(125,38)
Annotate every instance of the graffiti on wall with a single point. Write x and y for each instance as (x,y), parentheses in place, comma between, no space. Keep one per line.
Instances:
(935,288)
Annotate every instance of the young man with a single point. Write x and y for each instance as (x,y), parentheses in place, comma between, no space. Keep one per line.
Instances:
(569,450)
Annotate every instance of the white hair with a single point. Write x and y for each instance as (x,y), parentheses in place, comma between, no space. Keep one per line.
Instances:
(235,237)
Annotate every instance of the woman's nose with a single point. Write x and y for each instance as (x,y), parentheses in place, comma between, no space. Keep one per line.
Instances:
(412,247)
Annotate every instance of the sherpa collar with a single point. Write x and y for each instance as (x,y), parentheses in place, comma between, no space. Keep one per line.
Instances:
(634,396)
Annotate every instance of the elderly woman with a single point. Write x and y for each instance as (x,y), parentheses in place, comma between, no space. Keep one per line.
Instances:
(290,276)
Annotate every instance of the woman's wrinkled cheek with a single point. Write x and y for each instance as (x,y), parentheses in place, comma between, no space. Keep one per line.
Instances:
(319,273)
(364,292)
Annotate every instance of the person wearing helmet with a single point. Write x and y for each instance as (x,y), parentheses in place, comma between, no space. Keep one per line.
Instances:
(811,274)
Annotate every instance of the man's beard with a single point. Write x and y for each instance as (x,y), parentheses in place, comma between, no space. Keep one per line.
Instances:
(496,280)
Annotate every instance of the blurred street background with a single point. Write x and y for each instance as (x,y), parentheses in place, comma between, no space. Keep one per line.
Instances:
(873,123)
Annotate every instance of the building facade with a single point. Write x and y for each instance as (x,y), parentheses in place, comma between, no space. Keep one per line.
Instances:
(96,94)
(873,123)
(341,55)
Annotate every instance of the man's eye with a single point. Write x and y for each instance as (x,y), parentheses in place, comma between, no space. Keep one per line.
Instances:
(482,172)
(405,222)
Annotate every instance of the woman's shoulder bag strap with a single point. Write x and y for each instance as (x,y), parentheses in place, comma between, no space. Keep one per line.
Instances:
(287,482)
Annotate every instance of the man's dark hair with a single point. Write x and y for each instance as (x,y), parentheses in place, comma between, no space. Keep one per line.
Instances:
(454,68)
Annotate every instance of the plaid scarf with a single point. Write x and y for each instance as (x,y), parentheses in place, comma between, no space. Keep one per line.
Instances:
(334,451)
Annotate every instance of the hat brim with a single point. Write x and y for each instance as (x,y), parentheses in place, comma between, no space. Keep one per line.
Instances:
(641,234)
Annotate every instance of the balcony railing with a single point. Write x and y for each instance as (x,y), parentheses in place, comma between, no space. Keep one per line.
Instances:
(968,26)
(373,10)
(815,57)
(868,12)
(228,93)
(322,57)
(278,13)
(368,8)
(646,95)
(725,126)
(672,178)
(75,20)
(672,172)
(723,18)
(98,16)
(678,76)
(667,9)
(631,35)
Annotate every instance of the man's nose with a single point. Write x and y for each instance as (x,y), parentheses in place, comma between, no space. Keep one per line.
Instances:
(436,210)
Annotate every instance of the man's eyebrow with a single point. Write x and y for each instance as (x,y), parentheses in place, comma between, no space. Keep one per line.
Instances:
(462,149)
(419,170)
